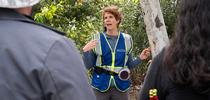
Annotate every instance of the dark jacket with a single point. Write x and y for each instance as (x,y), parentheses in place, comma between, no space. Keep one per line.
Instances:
(157,78)
(37,63)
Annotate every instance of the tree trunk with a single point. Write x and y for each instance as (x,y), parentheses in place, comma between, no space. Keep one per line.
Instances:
(155,25)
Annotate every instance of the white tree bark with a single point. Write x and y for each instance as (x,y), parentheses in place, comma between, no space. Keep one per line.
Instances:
(155,25)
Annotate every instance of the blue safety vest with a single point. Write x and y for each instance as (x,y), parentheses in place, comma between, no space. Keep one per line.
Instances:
(113,60)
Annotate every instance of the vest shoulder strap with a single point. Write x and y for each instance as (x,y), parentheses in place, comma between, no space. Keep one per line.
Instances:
(96,36)
(128,42)
(97,50)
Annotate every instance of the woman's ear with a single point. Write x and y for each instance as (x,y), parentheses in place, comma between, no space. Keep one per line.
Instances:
(118,21)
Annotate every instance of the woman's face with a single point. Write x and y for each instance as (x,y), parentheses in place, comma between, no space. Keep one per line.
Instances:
(110,21)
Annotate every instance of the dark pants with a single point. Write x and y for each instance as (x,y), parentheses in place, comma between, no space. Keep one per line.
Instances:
(111,94)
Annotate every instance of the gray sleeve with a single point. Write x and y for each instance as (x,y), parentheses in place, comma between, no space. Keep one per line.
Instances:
(89,58)
(65,76)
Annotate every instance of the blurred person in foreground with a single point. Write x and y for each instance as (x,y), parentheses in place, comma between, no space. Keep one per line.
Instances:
(36,61)
(182,70)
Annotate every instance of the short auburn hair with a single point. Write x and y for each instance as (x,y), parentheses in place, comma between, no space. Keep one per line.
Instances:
(114,11)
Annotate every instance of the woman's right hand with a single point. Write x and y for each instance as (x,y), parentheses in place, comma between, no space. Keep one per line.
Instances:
(90,45)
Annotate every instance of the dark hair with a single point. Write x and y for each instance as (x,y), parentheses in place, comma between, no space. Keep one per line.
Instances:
(187,59)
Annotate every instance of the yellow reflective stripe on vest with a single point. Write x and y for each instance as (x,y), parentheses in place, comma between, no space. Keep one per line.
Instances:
(128,46)
(92,38)
(113,61)
(98,49)
(113,51)
(128,42)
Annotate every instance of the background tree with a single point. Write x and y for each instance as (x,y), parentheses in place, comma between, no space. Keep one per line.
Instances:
(155,25)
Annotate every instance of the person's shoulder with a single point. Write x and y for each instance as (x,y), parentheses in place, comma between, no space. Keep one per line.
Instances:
(27,31)
(126,35)
(159,57)
(50,28)
(43,31)
(96,35)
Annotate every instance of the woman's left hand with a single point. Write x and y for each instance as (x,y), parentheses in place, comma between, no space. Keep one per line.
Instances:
(145,54)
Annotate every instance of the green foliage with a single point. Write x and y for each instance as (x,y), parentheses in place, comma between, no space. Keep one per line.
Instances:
(169,13)
(79,19)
